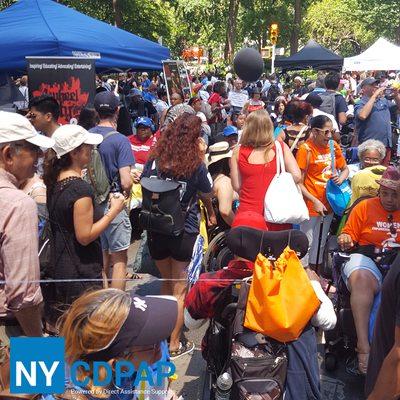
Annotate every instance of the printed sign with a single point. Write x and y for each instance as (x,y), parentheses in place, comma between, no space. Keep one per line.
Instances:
(72,82)
(177,79)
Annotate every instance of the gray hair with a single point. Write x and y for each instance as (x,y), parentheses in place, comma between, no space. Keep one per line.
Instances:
(372,144)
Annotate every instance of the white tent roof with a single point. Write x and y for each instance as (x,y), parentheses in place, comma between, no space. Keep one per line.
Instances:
(382,55)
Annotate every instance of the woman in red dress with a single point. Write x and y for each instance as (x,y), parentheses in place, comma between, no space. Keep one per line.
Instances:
(253,165)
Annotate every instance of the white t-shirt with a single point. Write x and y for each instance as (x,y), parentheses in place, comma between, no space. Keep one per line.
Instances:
(238,99)
(317,112)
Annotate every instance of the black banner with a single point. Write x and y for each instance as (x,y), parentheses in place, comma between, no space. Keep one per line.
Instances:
(71,81)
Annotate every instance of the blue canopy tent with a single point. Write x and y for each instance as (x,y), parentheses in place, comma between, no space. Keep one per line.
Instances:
(46,28)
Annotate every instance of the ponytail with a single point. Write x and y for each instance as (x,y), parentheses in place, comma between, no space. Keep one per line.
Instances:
(53,167)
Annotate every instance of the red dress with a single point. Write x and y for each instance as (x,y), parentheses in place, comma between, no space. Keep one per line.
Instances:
(255,180)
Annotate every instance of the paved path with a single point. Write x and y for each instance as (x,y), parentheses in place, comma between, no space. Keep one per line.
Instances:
(191,369)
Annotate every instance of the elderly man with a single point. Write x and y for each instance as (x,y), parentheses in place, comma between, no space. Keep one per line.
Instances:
(372,115)
(299,89)
(20,297)
(238,97)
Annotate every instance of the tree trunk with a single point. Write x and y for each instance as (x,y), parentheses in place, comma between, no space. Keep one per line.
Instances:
(230,38)
(117,13)
(210,55)
(294,37)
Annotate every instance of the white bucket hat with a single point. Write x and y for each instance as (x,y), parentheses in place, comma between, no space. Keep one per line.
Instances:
(69,137)
(218,151)
(14,127)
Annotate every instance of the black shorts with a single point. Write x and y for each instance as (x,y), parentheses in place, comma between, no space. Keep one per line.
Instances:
(180,248)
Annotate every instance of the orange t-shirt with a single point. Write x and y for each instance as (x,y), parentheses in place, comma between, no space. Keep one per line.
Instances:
(319,170)
(369,224)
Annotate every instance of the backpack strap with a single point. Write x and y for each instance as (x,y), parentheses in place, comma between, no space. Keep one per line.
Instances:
(332,150)
(294,144)
(109,134)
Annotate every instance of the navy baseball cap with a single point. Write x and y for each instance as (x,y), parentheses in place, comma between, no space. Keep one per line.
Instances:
(150,320)
(106,101)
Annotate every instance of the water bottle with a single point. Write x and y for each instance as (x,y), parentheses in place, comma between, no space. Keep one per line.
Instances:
(224,386)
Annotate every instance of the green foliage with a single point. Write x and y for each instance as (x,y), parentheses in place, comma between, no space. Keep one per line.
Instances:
(345,26)
(334,24)
(381,17)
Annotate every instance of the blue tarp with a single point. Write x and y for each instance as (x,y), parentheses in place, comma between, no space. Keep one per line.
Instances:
(46,28)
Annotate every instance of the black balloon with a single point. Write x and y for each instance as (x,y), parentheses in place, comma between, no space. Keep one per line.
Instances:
(248,64)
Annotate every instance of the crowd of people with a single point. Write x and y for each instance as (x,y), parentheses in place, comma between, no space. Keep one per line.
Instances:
(83,188)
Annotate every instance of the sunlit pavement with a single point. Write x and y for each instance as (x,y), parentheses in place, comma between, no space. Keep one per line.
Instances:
(191,368)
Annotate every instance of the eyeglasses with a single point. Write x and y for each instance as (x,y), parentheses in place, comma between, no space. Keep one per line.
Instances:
(372,160)
(325,131)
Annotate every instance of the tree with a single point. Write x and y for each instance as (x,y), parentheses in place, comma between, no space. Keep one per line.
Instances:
(334,24)
(294,38)
(382,18)
(231,29)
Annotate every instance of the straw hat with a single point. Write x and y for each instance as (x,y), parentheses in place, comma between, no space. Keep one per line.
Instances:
(390,178)
(217,152)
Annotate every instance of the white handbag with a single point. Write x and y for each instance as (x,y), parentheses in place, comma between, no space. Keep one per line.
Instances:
(283,202)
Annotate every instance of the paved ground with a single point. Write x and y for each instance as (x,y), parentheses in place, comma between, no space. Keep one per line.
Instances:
(337,385)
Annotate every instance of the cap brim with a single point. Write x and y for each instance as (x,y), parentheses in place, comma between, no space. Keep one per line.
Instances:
(162,312)
(41,141)
(388,183)
(93,139)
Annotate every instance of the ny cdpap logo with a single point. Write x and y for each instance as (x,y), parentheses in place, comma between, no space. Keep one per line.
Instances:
(37,366)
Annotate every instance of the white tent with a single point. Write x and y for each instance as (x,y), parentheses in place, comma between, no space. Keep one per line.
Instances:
(382,56)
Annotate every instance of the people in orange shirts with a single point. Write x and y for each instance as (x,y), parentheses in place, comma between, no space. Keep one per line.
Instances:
(314,160)
(373,222)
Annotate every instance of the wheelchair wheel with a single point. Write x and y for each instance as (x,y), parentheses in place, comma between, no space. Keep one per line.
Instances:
(330,362)
(217,255)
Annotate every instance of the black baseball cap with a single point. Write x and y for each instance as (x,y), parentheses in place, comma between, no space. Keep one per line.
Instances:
(314,99)
(106,101)
(150,320)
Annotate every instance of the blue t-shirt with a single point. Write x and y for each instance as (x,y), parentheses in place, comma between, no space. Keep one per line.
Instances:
(377,125)
(200,181)
(116,153)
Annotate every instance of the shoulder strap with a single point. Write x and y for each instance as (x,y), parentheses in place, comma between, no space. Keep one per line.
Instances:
(109,134)
(332,150)
(280,162)
(307,147)
(294,144)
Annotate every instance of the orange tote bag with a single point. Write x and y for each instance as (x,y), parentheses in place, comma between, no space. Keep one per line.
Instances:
(281,298)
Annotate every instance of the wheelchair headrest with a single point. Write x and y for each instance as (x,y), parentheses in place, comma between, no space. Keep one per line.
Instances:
(248,242)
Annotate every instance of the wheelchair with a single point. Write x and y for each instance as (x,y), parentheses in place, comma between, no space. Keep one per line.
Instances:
(223,330)
(342,340)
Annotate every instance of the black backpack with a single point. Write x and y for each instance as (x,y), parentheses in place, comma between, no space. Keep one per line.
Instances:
(161,207)
(262,373)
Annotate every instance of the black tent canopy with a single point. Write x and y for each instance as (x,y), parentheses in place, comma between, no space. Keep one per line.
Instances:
(312,55)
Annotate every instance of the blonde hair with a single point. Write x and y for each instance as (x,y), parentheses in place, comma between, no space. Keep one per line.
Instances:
(90,324)
(258,130)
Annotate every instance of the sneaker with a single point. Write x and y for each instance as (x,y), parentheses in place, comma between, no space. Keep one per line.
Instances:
(185,348)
